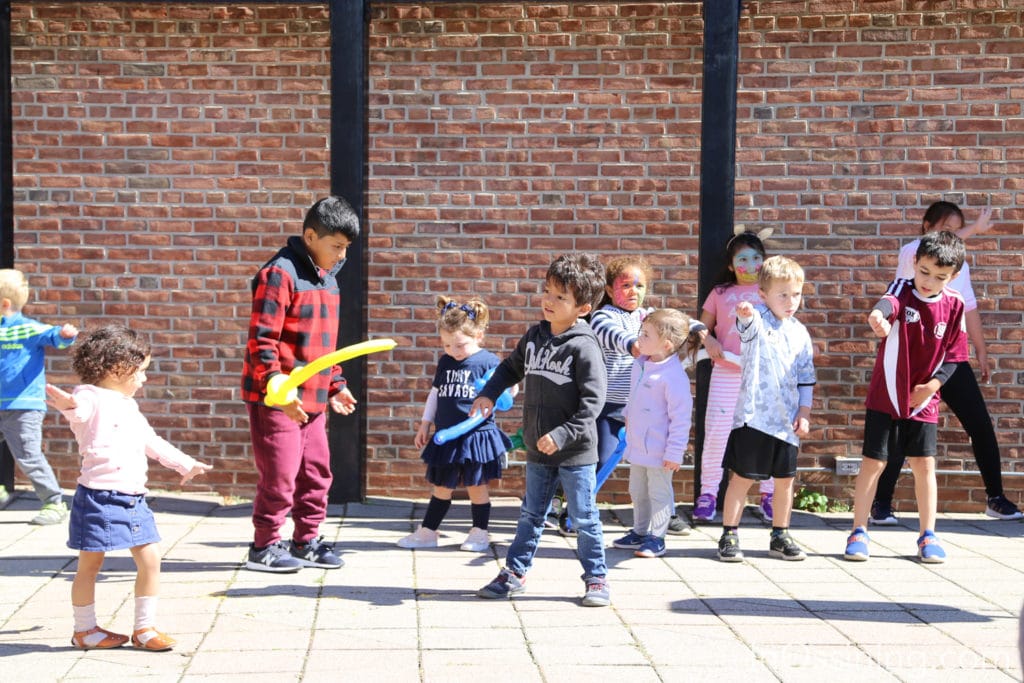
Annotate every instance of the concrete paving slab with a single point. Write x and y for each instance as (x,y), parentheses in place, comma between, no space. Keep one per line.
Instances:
(396,615)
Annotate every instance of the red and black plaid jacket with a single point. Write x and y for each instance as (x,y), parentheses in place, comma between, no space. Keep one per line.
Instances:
(294,321)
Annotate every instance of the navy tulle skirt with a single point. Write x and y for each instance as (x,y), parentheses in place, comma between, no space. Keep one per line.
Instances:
(471,460)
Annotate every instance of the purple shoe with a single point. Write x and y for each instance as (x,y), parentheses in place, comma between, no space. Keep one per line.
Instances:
(766,507)
(704,510)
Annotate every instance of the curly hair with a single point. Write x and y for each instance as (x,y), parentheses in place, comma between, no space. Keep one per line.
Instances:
(110,351)
(618,266)
(470,318)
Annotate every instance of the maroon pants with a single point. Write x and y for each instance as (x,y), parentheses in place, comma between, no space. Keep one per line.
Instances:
(294,466)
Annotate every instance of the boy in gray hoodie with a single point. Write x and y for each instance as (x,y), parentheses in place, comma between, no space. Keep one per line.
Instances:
(562,364)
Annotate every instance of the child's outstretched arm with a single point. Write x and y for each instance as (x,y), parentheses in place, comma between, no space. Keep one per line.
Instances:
(981,225)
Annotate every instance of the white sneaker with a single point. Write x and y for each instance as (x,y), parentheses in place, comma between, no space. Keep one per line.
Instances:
(477,541)
(421,538)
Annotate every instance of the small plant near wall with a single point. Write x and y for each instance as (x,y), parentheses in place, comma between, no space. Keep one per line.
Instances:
(811,501)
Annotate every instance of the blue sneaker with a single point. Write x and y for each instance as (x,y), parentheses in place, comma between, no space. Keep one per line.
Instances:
(505,585)
(630,541)
(928,549)
(652,547)
(857,546)
(597,594)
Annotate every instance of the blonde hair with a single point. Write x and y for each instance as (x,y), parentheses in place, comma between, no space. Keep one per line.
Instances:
(14,286)
(776,268)
(470,318)
(676,328)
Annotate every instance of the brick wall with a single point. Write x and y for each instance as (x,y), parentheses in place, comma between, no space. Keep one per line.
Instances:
(162,152)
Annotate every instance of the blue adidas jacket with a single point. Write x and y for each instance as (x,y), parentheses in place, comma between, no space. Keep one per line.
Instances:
(22,376)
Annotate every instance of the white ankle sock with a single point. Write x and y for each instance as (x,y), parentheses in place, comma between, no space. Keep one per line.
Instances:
(85,617)
(145,610)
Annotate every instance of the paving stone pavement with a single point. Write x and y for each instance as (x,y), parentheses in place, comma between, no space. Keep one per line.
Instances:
(398,615)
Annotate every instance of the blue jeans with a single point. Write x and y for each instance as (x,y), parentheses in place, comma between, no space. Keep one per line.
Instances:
(579,485)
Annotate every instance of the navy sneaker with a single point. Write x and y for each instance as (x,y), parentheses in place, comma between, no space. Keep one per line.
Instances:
(652,547)
(630,541)
(784,547)
(505,585)
(1000,507)
(274,558)
(315,553)
(882,515)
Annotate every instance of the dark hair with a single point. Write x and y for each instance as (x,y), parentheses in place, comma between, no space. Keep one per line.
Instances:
(332,216)
(727,276)
(469,318)
(579,273)
(618,266)
(110,351)
(945,247)
(938,212)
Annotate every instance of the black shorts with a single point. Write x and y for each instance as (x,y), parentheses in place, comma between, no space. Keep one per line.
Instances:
(885,434)
(752,454)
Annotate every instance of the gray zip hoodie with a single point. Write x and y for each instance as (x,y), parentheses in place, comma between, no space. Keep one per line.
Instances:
(563,392)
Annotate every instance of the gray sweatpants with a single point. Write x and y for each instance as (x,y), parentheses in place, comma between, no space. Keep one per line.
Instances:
(23,432)
(650,489)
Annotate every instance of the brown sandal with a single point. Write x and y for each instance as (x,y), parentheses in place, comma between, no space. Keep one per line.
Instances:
(110,640)
(156,642)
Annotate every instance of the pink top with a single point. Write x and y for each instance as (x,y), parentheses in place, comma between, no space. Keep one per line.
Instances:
(114,439)
(722,303)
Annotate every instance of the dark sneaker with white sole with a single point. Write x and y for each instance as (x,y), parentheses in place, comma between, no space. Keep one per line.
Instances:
(1000,507)
(784,547)
(315,553)
(274,558)
(505,585)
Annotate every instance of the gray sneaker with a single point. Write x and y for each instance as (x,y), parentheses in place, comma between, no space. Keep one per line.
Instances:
(51,513)
(505,585)
(677,526)
(597,593)
(274,558)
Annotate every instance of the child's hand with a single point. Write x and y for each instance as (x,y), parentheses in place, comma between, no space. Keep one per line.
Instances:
(744,309)
(197,469)
(547,445)
(984,222)
(60,399)
(482,405)
(802,423)
(343,402)
(669,465)
(294,412)
(713,347)
(922,392)
(422,435)
(67,331)
(879,325)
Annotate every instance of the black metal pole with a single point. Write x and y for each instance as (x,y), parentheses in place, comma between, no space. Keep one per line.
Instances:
(717,175)
(6,188)
(347,433)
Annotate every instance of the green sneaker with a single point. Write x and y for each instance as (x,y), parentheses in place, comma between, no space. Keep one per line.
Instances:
(51,513)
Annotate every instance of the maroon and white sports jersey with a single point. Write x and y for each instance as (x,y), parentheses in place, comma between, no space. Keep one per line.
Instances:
(926,332)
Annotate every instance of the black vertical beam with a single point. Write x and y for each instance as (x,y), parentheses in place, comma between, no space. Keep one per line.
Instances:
(717,174)
(347,433)
(6,188)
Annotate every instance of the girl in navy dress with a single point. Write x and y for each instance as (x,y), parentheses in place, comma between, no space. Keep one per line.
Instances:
(473,459)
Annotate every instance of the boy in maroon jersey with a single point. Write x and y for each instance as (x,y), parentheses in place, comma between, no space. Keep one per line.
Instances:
(921,323)
(294,321)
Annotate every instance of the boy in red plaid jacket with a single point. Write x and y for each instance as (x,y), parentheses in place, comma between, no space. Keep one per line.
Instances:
(294,321)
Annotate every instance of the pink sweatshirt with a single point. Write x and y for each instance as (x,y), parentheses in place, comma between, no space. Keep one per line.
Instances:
(114,439)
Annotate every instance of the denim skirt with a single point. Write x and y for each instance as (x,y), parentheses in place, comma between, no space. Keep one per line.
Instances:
(110,520)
